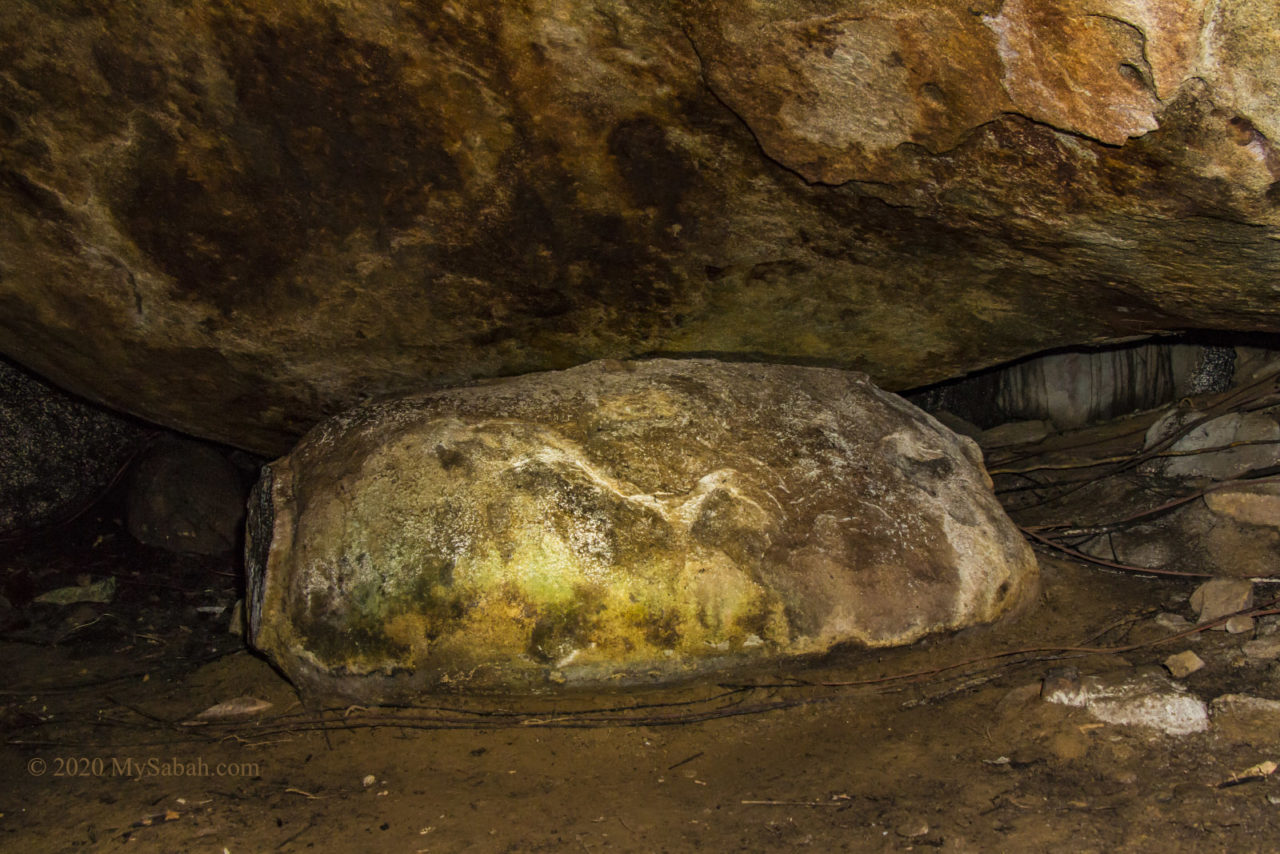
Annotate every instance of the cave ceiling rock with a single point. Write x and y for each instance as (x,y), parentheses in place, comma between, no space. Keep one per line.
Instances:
(235,218)
(833,93)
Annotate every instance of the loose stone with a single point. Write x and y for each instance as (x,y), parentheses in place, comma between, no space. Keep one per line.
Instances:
(1183,664)
(1221,596)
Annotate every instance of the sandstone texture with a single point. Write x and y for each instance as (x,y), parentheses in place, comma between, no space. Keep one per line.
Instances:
(238,217)
(619,522)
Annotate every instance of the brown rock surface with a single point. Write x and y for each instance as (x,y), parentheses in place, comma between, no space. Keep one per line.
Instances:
(1219,597)
(1247,719)
(1194,538)
(237,217)
(620,522)
(186,497)
(1252,504)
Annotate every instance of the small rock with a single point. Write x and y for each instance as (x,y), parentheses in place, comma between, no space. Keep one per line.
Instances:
(1015,433)
(1192,538)
(236,624)
(1183,664)
(1220,597)
(913,828)
(1146,699)
(1171,713)
(1263,649)
(1220,432)
(1238,625)
(1255,772)
(239,707)
(1172,622)
(1256,504)
(102,592)
(1064,687)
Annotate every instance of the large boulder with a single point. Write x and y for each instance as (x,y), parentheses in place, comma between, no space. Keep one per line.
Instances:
(236,217)
(620,521)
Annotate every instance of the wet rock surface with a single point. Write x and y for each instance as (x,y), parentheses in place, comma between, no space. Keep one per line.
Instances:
(235,218)
(620,521)
(57,453)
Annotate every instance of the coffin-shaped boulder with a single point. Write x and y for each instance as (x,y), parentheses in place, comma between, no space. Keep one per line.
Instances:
(619,522)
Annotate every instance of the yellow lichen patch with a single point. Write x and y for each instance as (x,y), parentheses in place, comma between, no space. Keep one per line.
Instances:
(493,630)
(640,618)
(542,567)
(410,631)
(728,601)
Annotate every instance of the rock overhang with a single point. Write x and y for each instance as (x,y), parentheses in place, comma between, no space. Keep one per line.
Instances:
(236,219)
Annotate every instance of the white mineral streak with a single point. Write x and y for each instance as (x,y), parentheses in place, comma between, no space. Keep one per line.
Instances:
(1142,699)
(568,458)
(687,511)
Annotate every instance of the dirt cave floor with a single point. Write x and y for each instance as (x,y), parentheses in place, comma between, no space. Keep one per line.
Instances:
(944,745)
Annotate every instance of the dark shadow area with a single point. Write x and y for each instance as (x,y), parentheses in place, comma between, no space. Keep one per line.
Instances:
(1120,379)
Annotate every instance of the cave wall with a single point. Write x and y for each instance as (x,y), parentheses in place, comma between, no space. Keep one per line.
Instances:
(236,217)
